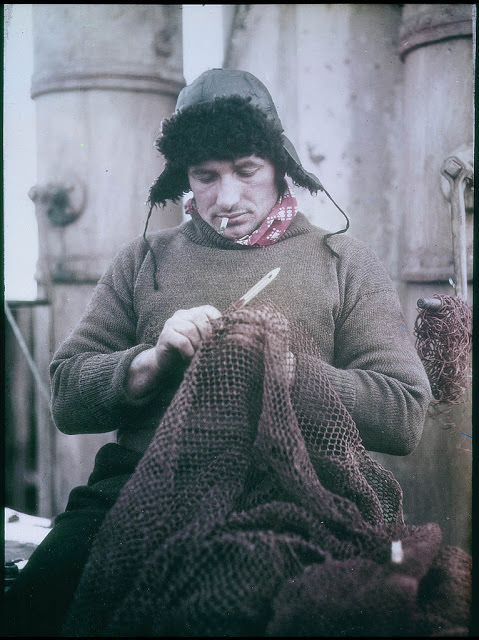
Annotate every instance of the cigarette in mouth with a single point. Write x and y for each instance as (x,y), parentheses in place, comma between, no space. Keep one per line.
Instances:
(224,222)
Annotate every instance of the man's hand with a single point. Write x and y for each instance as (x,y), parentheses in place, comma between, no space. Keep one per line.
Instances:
(183,334)
(178,341)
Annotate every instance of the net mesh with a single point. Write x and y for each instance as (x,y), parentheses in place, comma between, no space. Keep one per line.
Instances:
(444,343)
(249,508)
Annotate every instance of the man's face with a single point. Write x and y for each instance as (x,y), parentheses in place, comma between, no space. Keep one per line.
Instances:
(242,190)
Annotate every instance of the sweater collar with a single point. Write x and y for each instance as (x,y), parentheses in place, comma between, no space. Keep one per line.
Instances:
(200,232)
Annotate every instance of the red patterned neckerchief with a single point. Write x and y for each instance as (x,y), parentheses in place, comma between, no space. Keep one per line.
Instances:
(273,226)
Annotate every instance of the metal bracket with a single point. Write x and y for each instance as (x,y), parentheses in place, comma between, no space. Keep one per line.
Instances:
(63,202)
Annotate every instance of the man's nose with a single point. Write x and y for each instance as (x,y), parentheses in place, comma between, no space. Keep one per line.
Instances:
(228,193)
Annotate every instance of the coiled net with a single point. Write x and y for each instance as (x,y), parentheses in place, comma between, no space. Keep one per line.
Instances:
(444,343)
(253,513)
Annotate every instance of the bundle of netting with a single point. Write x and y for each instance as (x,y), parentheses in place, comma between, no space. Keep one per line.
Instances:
(444,342)
(256,513)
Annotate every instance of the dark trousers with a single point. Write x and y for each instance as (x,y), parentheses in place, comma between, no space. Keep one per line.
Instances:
(36,603)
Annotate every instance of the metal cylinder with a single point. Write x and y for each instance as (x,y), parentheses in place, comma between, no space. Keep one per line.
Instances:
(429,303)
(105,75)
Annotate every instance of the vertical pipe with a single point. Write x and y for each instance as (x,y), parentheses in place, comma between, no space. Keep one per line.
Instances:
(105,75)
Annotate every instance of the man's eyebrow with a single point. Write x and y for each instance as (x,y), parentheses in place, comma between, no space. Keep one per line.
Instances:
(201,170)
(247,163)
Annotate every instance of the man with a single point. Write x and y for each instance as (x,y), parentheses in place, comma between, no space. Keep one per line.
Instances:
(154,305)
(165,295)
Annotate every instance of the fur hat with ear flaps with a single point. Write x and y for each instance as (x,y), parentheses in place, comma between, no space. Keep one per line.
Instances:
(222,115)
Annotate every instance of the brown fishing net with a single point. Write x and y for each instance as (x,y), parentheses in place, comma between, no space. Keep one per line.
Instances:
(256,513)
(444,343)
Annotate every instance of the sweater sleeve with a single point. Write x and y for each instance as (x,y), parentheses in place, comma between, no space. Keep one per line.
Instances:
(90,368)
(377,372)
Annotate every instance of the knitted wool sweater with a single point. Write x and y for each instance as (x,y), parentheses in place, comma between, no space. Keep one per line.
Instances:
(348,304)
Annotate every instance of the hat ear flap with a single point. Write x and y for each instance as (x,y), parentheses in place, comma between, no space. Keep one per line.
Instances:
(297,172)
(303,178)
(170,185)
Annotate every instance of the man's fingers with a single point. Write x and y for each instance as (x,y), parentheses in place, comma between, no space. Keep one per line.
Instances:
(195,323)
(186,329)
(182,343)
(211,312)
(202,322)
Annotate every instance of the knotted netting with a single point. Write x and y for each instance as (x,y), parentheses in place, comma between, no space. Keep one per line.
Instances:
(444,344)
(250,509)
